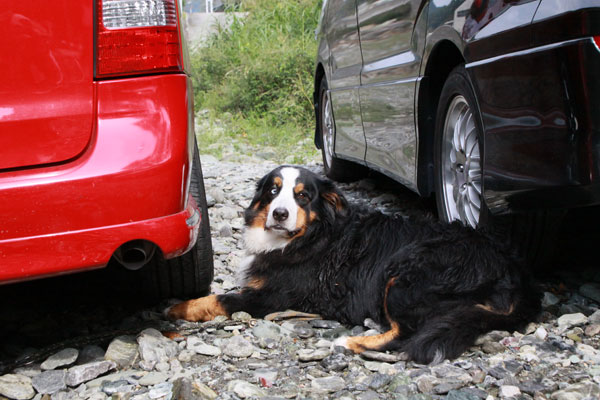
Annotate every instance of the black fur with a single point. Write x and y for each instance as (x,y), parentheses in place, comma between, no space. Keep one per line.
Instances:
(449,284)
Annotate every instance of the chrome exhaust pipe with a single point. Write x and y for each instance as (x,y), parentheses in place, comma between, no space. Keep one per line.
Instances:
(135,254)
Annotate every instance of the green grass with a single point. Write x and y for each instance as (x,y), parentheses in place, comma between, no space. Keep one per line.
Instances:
(253,82)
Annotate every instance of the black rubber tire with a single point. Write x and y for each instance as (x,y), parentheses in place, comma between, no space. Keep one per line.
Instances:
(339,169)
(457,84)
(190,274)
(532,235)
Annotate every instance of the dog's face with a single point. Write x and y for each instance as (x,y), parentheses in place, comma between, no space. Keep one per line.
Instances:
(287,201)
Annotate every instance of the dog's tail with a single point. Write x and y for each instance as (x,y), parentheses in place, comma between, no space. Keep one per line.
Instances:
(446,335)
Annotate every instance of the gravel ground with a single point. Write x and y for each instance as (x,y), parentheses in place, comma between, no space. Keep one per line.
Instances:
(557,357)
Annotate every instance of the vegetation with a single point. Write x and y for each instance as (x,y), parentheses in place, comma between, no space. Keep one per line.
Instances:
(253,80)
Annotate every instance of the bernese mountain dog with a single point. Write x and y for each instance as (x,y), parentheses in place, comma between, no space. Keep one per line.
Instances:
(434,287)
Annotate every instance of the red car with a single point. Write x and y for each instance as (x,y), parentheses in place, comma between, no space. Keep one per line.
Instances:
(98,158)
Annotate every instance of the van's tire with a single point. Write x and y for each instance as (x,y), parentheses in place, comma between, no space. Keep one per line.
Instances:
(335,168)
(190,274)
(458,175)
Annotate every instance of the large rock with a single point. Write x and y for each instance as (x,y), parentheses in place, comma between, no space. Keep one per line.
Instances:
(49,382)
(123,350)
(245,389)
(239,347)
(568,320)
(328,384)
(62,358)
(86,372)
(154,347)
(17,387)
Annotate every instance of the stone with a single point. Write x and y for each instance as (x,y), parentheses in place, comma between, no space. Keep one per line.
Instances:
(17,387)
(245,389)
(324,324)
(493,347)
(301,328)
(153,378)
(578,391)
(267,330)
(160,391)
(86,372)
(203,392)
(549,299)
(378,381)
(591,291)
(196,345)
(154,347)
(446,387)
(225,230)
(541,333)
(328,384)
(335,362)
(507,391)
(49,382)
(90,353)
(265,377)
(241,316)
(123,350)
(312,355)
(112,387)
(238,347)
(462,395)
(594,318)
(569,320)
(63,358)
(384,357)
(592,330)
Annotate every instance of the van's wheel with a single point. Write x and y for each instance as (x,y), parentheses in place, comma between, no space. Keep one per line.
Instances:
(335,168)
(458,161)
(190,274)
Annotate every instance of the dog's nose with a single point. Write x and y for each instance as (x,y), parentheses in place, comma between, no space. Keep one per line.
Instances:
(280,214)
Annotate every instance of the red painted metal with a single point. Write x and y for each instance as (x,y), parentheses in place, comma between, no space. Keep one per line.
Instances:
(140,50)
(129,183)
(47,55)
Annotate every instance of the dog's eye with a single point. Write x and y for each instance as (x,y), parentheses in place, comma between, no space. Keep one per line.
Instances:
(302,196)
(274,190)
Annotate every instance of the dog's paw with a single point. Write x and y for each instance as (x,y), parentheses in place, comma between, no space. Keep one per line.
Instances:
(340,342)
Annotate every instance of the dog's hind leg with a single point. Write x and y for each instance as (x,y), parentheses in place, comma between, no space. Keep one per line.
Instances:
(384,341)
(381,342)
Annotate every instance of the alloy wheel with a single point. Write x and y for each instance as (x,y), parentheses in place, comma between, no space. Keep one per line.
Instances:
(461,164)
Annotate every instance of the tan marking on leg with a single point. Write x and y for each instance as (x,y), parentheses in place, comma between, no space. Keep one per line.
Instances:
(492,310)
(202,309)
(299,187)
(358,344)
(385,296)
(255,283)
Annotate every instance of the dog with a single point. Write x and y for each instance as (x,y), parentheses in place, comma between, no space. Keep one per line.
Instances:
(434,287)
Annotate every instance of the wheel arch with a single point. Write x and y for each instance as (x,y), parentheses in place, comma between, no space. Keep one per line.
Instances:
(319,74)
(443,58)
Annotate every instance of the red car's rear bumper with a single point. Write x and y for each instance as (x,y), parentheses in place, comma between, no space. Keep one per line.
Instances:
(131,182)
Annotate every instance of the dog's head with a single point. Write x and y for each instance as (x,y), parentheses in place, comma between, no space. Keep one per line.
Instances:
(287,202)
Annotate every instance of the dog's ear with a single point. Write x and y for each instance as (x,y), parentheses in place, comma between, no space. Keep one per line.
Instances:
(334,200)
(254,204)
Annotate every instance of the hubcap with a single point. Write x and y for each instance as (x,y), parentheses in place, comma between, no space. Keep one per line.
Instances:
(327,129)
(461,164)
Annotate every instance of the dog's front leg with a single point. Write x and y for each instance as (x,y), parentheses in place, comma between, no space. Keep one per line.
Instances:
(255,302)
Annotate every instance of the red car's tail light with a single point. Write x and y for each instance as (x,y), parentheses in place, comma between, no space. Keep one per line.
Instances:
(597,41)
(137,37)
